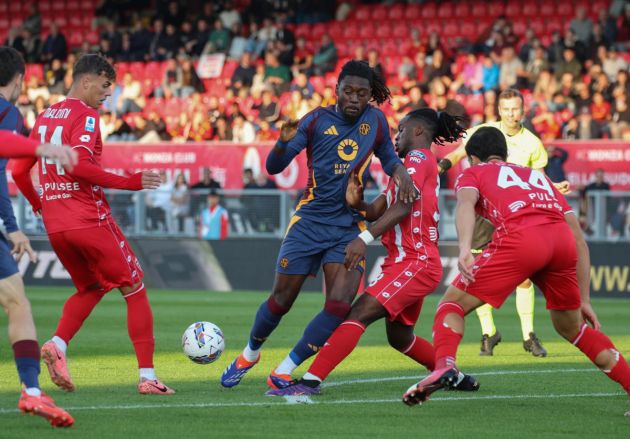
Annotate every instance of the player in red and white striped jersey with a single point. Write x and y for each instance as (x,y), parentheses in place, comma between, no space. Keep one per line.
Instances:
(412,269)
(80,225)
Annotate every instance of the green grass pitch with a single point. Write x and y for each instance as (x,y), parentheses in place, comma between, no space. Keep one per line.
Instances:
(561,396)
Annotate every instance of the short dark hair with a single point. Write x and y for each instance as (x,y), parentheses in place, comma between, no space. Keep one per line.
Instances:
(510,93)
(11,64)
(443,127)
(380,92)
(487,142)
(93,63)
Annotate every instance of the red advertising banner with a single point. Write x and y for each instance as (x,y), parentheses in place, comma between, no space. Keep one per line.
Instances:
(228,160)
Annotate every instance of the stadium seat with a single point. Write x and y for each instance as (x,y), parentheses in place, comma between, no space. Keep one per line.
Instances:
(397,12)
(468,30)
(3,9)
(519,26)
(513,10)
(554,24)
(479,9)
(537,24)
(379,13)
(335,29)
(400,30)
(530,9)
(445,11)
(496,8)
(4,23)
(44,6)
(36,70)
(75,20)
(14,8)
(547,9)
(58,6)
(429,11)
(351,31)
(74,37)
(367,31)
(450,29)
(92,37)
(412,12)
(565,9)
(302,30)
(62,22)
(384,30)
(228,69)
(317,31)
(362,13)
(474,104)
(462,10)
(73,5)
(88,6)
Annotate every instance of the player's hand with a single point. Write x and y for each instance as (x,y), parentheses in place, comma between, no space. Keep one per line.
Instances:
(564,187)
(355,252)
(407,192)
(288,130)
(354,191)
(151,180)
(589,315)
(62,154)
(21,245)
(465,264)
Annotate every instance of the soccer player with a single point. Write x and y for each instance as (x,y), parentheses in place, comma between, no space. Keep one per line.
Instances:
(412,268)
(339,140)
(22,333)
(80,226)
(524,149)
(531,218)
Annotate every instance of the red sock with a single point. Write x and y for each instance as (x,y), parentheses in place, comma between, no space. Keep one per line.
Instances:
(445,340)
(340,344)
(76,309)
(140,326)
(592,342)
(421,351)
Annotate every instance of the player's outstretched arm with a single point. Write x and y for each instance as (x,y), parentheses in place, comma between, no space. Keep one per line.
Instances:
(293,139)
(465,222)
(355,251)
(583,271)
(354,198)
(21,172)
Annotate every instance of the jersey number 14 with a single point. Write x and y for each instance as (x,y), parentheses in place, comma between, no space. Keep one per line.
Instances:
(55,139)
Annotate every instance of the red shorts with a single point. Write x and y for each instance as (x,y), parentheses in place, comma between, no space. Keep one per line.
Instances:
(401,287)
(546,254)
(97,256)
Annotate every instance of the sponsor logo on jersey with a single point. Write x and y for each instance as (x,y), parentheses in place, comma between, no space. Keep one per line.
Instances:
(364,129)
(517,205)
(332,131)
(418,154)
(90,124)
(347,149)
(85,138)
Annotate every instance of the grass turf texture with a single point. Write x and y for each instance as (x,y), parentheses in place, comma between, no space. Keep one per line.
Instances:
(521,396)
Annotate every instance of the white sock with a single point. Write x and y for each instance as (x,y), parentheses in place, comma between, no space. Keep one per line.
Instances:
(286,367)
(309,376)
(33,391)
(250,354)
(525,309)
(148,374)
(62,345)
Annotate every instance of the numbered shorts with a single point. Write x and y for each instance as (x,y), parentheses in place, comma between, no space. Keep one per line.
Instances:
(546,254)
(8,266)
(308,244)
(97,256)
(401,287)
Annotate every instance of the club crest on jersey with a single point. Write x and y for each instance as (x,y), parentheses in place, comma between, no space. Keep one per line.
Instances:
(90,123)
(284,262)
(364,129)
(347,149)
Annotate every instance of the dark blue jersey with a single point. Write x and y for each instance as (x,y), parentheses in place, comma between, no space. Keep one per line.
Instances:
(11,120)
(335,148)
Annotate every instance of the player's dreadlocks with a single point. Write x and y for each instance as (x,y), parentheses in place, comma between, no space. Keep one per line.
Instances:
(380,92)
(444,128)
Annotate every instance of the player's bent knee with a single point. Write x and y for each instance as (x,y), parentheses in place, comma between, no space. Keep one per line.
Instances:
(12,292)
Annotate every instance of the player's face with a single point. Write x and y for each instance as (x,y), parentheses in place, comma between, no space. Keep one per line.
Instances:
(511,112)
(99,88)
(353,95)
(405,138)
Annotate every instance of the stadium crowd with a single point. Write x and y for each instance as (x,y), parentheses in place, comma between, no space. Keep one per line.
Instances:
(574,78)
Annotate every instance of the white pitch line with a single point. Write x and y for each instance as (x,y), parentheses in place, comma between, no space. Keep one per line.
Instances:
(341,401)
(476,374)
(298,399)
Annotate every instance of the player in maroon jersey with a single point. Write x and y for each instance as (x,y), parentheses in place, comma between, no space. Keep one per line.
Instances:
(80,225)
(531,218)
(412,268)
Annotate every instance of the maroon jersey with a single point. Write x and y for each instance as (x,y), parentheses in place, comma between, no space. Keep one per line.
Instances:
(416,236)
(513,197)
(69,202)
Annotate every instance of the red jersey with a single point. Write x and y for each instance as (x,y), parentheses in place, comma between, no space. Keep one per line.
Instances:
(76,200)
(513,197)
(416,236)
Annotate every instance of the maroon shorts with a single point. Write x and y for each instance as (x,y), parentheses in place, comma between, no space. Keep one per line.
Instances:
(97,256)
(546,254)
(401,287)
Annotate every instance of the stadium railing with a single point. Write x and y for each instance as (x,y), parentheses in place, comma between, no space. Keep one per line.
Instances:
(265,213)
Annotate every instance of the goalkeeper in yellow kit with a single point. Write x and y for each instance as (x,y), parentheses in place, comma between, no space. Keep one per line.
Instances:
(524,149)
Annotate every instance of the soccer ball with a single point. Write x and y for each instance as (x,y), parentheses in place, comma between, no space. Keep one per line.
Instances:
(203,342)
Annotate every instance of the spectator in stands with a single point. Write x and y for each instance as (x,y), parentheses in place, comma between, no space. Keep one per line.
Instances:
(535,66)
(302,58)
(587,127)
(238,45)
(277,76)
(374,62)
(621,85)
(16,40)
(39,105)
(620,123)
(243,131)
(555,48)
(130,98)
(265,132)
(207,181)
(511,69)
(156,50)
(171,81)
(407,73)
(608,27)
(328,97)
(188,78)
(268,110)
(601,111)
(201,36)
(243,75)
(223,130)
(544,122)
(490,74)
(55,46)
(600,183)
(285,41)
(180,201)
(113,36)
(555,165)
(265,35)
(158,204)
(214,222)
(325,58)
(530,43)
(302,84)
(187,39)
(32,46)
(438,67)
(229,15)
(33,23)
(568,64)
(623,36)
(416,100)
(122,131)
(571,41)
(297,107)
(571,130)
(106,124)
(582,97)
(613,64)
(490,113)
(155,129)
(582,25)
(219,40)
(173,15)
(54,77)
(140,42)
(200,128)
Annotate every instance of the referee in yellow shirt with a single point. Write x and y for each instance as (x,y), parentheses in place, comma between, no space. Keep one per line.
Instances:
(524,149)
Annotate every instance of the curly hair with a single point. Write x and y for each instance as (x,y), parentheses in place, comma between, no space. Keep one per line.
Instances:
(380,92)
